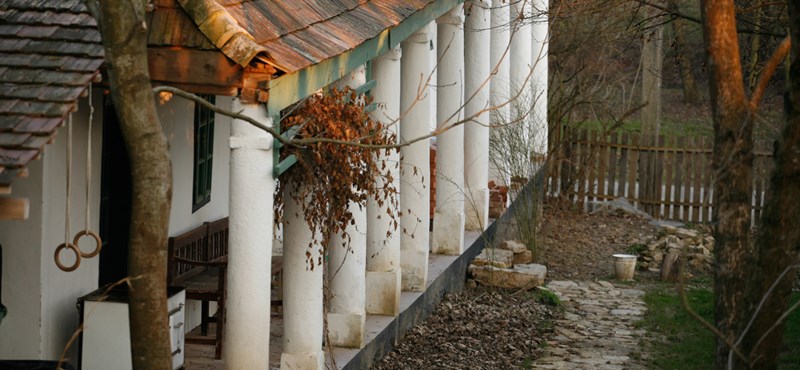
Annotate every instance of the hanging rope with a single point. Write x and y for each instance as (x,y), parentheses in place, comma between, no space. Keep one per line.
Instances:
(67,244)
(86,230)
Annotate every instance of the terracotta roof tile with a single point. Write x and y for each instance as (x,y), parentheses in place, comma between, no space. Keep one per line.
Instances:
(9,140)
(16,157)
(39,125)
(49,53)
(36,142)
(8,123)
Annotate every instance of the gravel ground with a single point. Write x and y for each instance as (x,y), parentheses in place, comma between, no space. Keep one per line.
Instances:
(575,245)
(479,328)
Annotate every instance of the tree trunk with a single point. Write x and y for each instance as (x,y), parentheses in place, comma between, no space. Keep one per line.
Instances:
(779,235)
(755,46)
(732,164)
(691,94)
(652,63)
(125,40)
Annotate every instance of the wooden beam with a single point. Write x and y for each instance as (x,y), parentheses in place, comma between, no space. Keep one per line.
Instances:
(174,66)
(14,208)
(204,89)
(290,88)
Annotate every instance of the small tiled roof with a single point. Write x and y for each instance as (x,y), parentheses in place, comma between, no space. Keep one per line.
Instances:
(290,34)
(50,51)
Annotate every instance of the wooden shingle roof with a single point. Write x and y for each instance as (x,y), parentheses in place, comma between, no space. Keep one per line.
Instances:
(289,34)
(50,51)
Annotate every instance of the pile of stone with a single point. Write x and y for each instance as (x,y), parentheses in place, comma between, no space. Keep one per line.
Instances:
(507,266)
(693,247)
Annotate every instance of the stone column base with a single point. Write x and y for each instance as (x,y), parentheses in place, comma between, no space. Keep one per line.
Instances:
(383,292)
(306,361)
(476,208)
(414,268)
(346,329)
(448,233)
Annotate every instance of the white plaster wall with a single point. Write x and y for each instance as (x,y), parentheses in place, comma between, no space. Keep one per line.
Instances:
(177,120)
(40,297)
(20,331)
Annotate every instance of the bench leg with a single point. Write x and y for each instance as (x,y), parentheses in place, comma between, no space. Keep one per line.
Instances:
(204,318)
(220,320)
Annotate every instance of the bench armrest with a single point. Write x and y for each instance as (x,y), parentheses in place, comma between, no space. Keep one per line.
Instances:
(220,262)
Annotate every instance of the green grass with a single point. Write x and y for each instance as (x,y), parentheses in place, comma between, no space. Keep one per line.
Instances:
(680,342)
(694,128)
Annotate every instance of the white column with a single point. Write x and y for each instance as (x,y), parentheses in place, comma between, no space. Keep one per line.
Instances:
(347,265)
(247,299)
(383,239)
(302,290)
(500,53)
(520,60)
(415,163)
(539,40)
(448,221)
(476,131)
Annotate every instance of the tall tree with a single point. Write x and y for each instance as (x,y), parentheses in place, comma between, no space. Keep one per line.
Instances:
(778,238)
(125,41)
(733,166)
(745,273)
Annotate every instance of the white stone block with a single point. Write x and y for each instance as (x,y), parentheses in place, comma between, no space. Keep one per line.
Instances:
(305,361)
(346,329)
(383,293)
(525,276)
(448,233)
(513,245)
(495,257)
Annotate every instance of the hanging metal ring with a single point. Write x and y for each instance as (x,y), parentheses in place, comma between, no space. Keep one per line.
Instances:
(98,243)
(77,257)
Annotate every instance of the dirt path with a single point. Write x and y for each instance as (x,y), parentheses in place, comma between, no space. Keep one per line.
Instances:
(597,329)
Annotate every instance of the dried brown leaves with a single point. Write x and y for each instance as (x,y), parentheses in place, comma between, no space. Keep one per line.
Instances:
(334,176)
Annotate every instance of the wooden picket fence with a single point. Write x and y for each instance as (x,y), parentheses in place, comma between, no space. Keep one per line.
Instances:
(666,176)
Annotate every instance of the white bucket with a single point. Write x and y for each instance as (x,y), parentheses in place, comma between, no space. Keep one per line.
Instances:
(624,266)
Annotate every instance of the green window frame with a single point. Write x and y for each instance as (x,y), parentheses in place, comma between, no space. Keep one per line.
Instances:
(203,153)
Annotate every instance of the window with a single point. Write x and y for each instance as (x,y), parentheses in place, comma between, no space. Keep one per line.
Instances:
(203,154)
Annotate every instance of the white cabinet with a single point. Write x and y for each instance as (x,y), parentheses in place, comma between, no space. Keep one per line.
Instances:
(105,342)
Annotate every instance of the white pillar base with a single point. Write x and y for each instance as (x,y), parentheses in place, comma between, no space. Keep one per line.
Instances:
(448,233)
(305,361)
(383,292)
(477,210)
(346,329)
(415,269)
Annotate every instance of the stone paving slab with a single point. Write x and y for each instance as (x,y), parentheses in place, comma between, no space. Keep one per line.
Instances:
(597,330)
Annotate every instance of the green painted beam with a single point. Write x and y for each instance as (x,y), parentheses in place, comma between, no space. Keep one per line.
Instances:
(419,19)
(366,87)
(290,88)
(289,134)
(284,165)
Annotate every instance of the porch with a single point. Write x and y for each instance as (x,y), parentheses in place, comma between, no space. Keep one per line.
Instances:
(446,273)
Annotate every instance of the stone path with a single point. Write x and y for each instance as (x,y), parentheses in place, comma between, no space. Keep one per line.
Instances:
(597,330)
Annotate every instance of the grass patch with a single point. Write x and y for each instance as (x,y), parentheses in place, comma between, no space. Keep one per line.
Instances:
(687,345)
(690,128)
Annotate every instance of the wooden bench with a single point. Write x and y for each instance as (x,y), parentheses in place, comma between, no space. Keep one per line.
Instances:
(197,261)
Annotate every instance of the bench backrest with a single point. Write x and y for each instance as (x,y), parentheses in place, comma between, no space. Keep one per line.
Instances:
(217,239)
(205,243)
